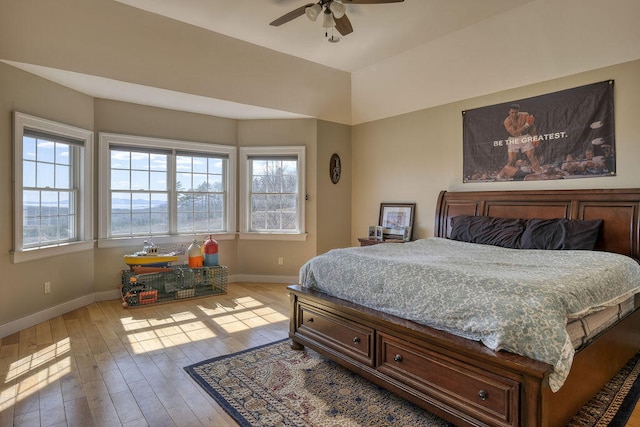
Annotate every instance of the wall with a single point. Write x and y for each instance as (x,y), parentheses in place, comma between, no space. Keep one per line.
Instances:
(334,206)
(71,276)
(412,157)
(260,257)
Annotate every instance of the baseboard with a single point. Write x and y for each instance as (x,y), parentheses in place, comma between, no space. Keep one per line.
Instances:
(49,313)
(44,315)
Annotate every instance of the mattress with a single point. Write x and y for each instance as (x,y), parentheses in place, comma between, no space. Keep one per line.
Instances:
(583,330)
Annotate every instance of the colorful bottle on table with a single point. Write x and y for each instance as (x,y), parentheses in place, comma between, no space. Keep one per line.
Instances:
(195,255)
(210,248)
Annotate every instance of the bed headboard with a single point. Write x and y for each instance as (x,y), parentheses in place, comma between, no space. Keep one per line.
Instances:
(618,208)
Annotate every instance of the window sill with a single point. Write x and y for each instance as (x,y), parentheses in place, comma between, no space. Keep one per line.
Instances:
(298,237)
(186,239)
(50,251)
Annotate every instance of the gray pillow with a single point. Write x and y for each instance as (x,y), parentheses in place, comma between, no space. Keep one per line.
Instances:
(487,230)
(561,233)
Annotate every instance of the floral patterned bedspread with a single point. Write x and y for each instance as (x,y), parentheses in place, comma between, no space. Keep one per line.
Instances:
(509,299)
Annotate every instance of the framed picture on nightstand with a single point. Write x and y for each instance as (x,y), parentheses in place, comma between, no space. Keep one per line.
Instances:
(395,218)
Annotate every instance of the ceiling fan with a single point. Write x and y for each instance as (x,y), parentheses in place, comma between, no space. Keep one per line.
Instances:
(333,13)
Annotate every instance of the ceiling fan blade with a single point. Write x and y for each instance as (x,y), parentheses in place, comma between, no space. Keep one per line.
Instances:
(370,1)
(343,25)
(291,15)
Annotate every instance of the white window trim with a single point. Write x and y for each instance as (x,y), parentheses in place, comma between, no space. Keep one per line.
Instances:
(85,230)
(245,191)
(104,217)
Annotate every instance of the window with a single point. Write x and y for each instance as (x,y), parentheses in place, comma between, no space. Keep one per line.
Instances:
(273,191)
(53,188)
(139,192)
(201,196)
(155,187)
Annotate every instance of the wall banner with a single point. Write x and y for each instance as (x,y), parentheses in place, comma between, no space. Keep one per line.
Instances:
(561,135)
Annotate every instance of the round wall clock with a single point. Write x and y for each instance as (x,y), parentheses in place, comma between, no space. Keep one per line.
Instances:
(335,169)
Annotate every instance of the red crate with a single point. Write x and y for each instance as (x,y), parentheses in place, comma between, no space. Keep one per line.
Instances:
(148,297)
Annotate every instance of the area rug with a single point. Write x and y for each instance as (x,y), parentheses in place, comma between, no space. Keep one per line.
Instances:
(273,385)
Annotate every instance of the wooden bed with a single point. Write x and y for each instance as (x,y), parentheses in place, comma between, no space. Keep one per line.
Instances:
(460,380)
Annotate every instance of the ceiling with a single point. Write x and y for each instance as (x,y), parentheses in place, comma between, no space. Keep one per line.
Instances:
(380,30)
(410,40)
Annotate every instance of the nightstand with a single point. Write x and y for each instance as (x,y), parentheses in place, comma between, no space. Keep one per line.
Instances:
(364,241)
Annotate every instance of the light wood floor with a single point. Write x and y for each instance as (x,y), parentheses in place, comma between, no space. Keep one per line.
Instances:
(104,365)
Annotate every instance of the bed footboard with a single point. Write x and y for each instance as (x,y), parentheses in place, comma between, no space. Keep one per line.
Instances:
(459,380)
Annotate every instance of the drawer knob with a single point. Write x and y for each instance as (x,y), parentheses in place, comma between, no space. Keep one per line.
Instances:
(483,395)
(310,320)
(356,340)
(397,358)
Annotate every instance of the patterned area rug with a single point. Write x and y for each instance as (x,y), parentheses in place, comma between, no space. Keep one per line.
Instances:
(274,385)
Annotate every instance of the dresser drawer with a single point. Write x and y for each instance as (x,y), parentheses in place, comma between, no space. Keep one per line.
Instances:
(336,332)
(486,397)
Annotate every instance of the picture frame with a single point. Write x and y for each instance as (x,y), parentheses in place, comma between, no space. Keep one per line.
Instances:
(394,218)
(372,232)
(379,233)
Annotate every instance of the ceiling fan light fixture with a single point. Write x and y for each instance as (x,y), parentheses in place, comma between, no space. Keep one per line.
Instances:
(334,12)
(312,12)
(338,9)
(328,20)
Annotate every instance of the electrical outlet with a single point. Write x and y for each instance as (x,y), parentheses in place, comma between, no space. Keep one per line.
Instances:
(280,260)
(47,287)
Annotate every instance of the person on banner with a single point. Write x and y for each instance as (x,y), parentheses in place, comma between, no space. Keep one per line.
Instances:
(591,165)
(518,172)
(570,165)
(521,128)
(608,158)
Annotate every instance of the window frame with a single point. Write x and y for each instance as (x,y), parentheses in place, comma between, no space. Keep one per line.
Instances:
(82,167)
(174,146)
(245,182)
